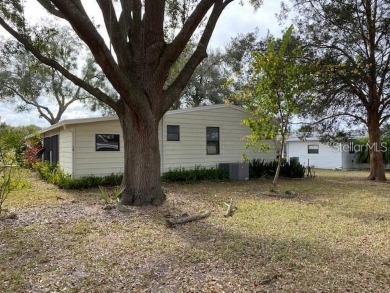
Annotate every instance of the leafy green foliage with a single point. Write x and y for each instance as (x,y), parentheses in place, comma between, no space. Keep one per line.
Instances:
(6,174)
(192,175)
(28,84)
(273,89)
(53,174)
(110,197)
(278,80)
(12,138)
(350,45)
(362,156)
(260,169)
(219,75)
(10,176)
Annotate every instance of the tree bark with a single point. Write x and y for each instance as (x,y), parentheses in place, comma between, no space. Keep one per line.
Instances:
(141,177)
(280,159)
(377,168)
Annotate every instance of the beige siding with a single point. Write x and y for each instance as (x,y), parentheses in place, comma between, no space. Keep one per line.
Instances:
(191,149)
(188,152)
(88,161)
(66,150)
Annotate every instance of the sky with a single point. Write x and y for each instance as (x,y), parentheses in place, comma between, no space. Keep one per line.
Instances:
(235,19)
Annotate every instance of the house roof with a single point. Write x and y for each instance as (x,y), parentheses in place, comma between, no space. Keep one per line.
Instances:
(65,123)
(310,137)
(294,138)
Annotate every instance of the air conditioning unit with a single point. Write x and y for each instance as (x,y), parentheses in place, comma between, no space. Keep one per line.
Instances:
(236,171)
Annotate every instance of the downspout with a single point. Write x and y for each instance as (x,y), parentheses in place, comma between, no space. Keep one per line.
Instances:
(162,146)
(72,130)
(73,151)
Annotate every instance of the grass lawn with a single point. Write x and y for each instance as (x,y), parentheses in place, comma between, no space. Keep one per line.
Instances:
(332,236)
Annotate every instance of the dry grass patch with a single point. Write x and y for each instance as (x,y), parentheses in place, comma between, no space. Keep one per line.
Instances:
(332,236)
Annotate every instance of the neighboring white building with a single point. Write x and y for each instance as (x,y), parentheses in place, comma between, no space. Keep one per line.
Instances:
(94,146)
(310,151)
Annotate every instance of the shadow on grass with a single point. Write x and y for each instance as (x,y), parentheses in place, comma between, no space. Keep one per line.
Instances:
(111,252)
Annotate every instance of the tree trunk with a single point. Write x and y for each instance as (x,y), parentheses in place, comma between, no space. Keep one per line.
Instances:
(141,177)
(280,159)
(377,168)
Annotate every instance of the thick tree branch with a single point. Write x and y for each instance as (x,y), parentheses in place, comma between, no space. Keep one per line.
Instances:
(51,8)
(174,49)
(384,119)
(345,114)
(124,83)
(126,18)
(173,91)
(135,33)
(383,76)
(54,64)
(115,32)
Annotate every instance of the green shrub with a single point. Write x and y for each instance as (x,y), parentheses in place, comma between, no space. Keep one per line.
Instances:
(260,168)
(10,176)
(192,175)
(53,174)
(293,169)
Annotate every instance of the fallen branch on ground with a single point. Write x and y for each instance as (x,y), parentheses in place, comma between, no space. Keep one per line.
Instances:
(230,208)
(11,216)
(187,218)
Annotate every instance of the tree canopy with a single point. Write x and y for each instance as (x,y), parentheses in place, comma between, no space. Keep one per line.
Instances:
(351,48)
(277,81)
(27,83)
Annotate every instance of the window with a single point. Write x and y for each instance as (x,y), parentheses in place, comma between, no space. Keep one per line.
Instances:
(351,147)
(212,137)
(312,149)
(173,132)
(107,142)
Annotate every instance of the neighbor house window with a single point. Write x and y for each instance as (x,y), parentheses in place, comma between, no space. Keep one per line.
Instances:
(173,132)
(212,137)
(313,149)
(107,142)
(351,147)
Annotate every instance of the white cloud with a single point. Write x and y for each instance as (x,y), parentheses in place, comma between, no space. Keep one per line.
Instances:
(11,117)
(237,18)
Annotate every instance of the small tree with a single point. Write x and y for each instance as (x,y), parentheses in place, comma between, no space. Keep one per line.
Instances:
(276,82)
(6,172)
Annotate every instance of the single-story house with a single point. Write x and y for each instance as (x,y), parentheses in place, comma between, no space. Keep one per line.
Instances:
(205,136)
(311,152)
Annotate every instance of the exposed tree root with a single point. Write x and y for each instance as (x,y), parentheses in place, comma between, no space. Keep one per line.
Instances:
(11,216)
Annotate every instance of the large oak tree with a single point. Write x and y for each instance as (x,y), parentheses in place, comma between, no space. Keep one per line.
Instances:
(351,41)
(137,67)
